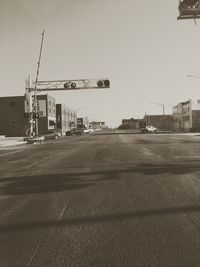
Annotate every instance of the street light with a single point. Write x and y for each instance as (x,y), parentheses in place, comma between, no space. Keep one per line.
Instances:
(163,108)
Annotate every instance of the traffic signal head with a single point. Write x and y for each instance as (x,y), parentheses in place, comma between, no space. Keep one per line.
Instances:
(107,83)
(66,85)
(100,83)
(73,85)
(103,83)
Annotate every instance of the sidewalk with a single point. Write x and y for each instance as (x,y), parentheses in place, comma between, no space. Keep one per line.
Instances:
(11,141)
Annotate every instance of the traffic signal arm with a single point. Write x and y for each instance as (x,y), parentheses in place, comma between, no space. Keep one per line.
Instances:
(73,84)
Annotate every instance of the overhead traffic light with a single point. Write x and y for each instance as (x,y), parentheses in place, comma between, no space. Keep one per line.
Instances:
(69,84)
(189,9)
(103,83)
(73,85)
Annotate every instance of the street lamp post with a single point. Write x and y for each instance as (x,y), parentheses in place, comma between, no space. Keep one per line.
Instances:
(163,110)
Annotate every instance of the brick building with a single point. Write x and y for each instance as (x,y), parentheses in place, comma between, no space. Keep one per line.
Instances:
(12,115)
(160,122)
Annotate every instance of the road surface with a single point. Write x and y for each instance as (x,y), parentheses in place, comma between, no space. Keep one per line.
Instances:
(101,200)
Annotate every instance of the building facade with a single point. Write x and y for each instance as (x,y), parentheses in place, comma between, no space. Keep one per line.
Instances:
(46,107)
(66,119)
(187,116)
(97,125)
(13,119)
(161,122)
(132,123)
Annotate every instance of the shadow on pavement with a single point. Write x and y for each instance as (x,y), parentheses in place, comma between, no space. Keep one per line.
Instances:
(99,219)
(76,180)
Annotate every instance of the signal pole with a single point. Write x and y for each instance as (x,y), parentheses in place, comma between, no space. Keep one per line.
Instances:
(35,88)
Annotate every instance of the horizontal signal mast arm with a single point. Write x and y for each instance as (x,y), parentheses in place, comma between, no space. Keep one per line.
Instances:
(70,88)
(73,84)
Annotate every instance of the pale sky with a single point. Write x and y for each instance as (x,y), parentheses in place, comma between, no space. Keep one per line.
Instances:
(140,45)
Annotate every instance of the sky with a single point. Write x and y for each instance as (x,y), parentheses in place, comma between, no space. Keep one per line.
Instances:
(140,45)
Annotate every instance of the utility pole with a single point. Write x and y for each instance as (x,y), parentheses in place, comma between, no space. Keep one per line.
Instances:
(35,88)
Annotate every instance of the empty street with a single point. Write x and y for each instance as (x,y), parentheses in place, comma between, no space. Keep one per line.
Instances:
(101,200)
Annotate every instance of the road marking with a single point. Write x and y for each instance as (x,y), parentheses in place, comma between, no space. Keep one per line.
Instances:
(8,153)
(34,253)
(62,212)
(44,240)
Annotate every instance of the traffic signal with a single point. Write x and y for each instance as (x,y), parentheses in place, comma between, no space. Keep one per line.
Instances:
(73,85)
(189,9)
(69,84)
(100,83)
(66,85)
(107,83)
(103,83)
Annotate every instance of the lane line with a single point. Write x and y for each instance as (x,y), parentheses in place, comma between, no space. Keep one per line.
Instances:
(45,239)
(12,152)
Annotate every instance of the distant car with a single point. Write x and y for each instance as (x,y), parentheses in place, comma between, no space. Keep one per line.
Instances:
(68,133)
(87,131)
(74,131)
(149,129)
(53,134)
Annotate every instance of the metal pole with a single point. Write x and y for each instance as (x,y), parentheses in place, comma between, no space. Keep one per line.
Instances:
(164,117)
(35,89)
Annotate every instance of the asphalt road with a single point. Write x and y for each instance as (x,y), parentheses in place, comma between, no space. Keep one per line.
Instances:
(101,200)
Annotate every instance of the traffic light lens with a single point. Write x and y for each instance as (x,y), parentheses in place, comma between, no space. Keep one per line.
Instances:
(66,85)
(107,83)
(73,85)
(99,83)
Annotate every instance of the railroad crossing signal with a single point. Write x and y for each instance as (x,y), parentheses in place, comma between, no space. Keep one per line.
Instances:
(189,9)
(33,87)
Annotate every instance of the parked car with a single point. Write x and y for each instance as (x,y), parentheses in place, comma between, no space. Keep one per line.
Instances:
(74,131)
(149,129)
(52,134)
(86,131)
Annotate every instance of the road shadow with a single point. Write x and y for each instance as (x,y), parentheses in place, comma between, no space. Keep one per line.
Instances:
(35,184)
(101,219)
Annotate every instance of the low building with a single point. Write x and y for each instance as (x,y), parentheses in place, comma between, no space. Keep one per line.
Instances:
(13,121)
(66,119)
(132,123)
(46,107)
(187,116)
(125,124)
(97,125)
(161,122)
(83,123)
